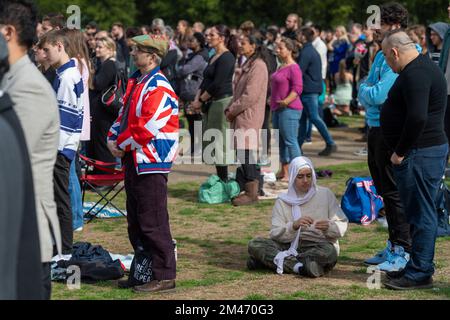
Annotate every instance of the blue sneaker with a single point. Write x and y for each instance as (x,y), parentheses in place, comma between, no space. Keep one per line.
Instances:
(397,260)
(381,256)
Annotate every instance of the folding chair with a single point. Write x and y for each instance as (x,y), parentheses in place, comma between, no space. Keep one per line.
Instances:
(111,179)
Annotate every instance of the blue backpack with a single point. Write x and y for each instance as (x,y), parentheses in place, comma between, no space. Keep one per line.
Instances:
(360,202)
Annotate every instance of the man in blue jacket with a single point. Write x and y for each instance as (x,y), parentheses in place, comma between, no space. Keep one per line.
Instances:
(372,94)
(311,66)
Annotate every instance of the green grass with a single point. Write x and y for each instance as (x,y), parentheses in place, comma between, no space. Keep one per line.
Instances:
(212,252)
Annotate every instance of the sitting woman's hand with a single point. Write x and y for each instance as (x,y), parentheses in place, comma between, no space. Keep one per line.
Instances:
(323,225)
(303,222)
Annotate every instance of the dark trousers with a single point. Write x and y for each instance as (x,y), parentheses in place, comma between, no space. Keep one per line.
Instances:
(380,166)
(97,147)
(222,172)
(191,118)
(62,199)
(447,120)
(46,281)
(148,219)
(266,126)
(249,170)
(418,178)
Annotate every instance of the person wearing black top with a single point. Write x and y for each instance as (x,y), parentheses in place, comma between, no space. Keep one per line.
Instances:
(190,76)
(215,94)
(412,125)
(293,23)
(102,116)
(122,51)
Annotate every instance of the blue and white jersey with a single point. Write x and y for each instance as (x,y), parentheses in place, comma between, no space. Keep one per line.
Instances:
(69,89)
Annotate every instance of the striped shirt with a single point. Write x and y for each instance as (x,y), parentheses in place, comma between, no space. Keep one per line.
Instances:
(69,89)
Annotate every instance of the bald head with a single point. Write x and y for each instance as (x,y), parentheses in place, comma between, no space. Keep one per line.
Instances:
(399,50)
(399,40)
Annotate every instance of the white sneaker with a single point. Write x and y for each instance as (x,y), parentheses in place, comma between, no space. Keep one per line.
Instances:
(362,152)
(78,229)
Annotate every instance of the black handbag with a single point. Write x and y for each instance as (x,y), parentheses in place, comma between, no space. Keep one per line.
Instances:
(112,97)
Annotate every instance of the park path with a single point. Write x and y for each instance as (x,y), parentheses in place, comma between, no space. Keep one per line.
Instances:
(344,138)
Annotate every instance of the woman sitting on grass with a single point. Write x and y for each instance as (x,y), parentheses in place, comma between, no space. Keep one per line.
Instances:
(306,225)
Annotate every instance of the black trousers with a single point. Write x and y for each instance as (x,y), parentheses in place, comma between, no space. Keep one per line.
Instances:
(148,218)
(191,118)
(266,126)
(222,172)
(379,161)
(46,281)
(447,120)
(62,199)
(97,147)
(249,169)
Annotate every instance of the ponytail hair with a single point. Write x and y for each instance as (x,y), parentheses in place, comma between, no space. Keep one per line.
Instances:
(231,41)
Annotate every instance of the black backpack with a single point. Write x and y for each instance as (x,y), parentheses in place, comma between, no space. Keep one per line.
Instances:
(443,208)
(95,263)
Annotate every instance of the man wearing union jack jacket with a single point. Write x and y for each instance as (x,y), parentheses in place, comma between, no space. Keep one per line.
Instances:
(145,136)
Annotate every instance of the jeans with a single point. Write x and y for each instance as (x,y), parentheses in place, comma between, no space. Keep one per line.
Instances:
(418,178)
(308,130)
(75,197)
(287,120)
(311,111)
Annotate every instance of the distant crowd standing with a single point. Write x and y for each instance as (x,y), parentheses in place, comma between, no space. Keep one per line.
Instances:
(247,79)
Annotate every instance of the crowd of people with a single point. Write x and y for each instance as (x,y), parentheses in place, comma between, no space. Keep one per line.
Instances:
(60,82)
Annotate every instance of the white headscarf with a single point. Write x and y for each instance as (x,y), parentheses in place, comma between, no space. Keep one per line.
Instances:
(292,198)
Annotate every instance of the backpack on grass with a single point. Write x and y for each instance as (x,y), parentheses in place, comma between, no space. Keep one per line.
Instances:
(360,202)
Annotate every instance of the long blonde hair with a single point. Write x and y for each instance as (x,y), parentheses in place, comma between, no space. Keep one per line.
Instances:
(109,43)
(343,31)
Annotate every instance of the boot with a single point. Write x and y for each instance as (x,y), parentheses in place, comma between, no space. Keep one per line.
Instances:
(156,286)
(329,149)
(283,174)
(250,196)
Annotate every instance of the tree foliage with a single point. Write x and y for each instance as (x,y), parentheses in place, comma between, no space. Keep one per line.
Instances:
(328,13)
(104,12)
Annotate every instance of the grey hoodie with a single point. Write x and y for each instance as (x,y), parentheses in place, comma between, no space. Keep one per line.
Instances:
(441,29)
